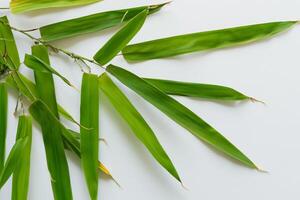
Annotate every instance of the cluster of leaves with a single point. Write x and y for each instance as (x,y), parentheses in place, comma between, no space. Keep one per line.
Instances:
(43,108)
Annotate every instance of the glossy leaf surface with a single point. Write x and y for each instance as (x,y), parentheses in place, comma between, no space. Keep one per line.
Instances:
(92,23)
(120,39)
(137,123)
(20,182)
(205,91)
(180,114)
(89,140)
(20,6)
(204,41)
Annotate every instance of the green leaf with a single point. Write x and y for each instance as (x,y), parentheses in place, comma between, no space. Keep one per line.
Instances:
(8,48)
(205,91)
(32,95)
(137,123)
(89,118)
(180,114)
(3,123)
(21,6)
(20,183)
(37,64)
(92,23)
(19,82)
(13,160)
(204,41)
(52,131)
(121,39)
(56,158)
(30,86)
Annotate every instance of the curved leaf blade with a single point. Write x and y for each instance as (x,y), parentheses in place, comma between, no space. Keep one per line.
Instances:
(39,65)
(121,39)
(8,47)
(137,123)
(92,23)
(30,86)
(3,123)
(204,41)
(21,6)
(89,144)
(51,129)
(20,183)
(205,91)
(13,160)
(180,114)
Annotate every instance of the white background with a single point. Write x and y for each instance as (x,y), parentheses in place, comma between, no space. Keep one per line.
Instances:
(269,134)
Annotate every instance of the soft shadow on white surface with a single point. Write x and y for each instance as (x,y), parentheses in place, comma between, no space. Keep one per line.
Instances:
(269,135)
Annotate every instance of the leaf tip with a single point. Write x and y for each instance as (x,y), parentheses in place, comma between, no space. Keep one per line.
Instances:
(256,101)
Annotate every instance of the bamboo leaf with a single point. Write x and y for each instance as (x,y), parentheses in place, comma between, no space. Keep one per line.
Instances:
(19,82)
(3,123)
(33,93)
(180,114)
(53,142)
(13,160)
(21,6)
(92,23)
(205,91)
(137,123)
(56,158)
(121,39)
(32,87)
(89,118)
(8,48)
(37,64)
(204,41)
(20,183)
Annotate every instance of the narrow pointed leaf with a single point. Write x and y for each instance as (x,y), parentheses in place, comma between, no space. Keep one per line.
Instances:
(20,183)
(8,48)
(204,41)
(30,86)
(205,91)
(121,39)
(137,123)
(180,114)
(89,118)
(37,64)
(13,160)
(56,158)
(3,123)
(92,23)
(20,6)
(52,132)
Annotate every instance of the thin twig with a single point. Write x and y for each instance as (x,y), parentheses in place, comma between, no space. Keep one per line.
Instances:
(56,49)
(4,8)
